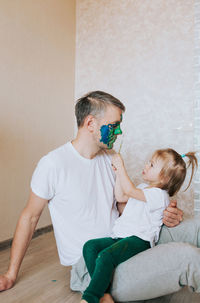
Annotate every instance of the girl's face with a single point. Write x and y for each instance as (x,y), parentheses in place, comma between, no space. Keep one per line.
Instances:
(151,171)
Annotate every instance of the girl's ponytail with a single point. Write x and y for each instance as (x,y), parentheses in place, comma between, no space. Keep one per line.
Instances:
(192,162)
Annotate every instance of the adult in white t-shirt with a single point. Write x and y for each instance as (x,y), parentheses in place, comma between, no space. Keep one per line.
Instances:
(76,180)
(80,194)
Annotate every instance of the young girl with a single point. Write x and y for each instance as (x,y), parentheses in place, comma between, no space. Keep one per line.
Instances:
(137,229)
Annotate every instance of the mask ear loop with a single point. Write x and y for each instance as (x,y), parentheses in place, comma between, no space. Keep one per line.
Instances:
(183,155)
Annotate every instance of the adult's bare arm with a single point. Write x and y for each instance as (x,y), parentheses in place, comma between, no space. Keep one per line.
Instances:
(22,237)
(172,215)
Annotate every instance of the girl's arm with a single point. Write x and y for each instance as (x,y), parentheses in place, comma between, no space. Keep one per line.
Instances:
(119,193)
(120,207)
(127,188)
(120,196)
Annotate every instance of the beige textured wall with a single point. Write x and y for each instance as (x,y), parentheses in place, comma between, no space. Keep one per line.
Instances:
(142,52)
(37,52)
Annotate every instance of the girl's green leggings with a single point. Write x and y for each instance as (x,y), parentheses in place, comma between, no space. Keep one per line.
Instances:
(102,256)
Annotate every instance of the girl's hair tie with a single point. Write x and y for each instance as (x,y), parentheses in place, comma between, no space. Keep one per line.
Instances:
(183,155)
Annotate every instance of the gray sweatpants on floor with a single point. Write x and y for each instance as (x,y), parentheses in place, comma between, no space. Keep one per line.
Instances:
(164,269)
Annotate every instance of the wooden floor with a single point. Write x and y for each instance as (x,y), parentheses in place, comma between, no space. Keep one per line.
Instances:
(43,280)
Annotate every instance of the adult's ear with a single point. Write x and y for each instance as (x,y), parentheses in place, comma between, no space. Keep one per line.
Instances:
(90,123)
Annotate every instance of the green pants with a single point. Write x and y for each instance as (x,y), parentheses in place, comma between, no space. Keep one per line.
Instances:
(102,256)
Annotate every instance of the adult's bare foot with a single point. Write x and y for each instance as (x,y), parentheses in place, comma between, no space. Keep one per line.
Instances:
(107,298)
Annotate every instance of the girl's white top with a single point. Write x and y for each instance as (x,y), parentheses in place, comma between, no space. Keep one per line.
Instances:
(143,219)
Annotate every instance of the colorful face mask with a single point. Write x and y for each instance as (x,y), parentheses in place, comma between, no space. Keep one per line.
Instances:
(109,133)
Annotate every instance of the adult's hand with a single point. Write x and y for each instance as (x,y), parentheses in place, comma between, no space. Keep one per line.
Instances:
(6,282)
(23,234)
(172,215)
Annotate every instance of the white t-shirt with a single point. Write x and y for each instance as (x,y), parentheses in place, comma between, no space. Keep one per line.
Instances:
(143,219)
(81,197)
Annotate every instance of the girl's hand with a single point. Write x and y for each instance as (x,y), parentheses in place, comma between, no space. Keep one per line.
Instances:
(117,162)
